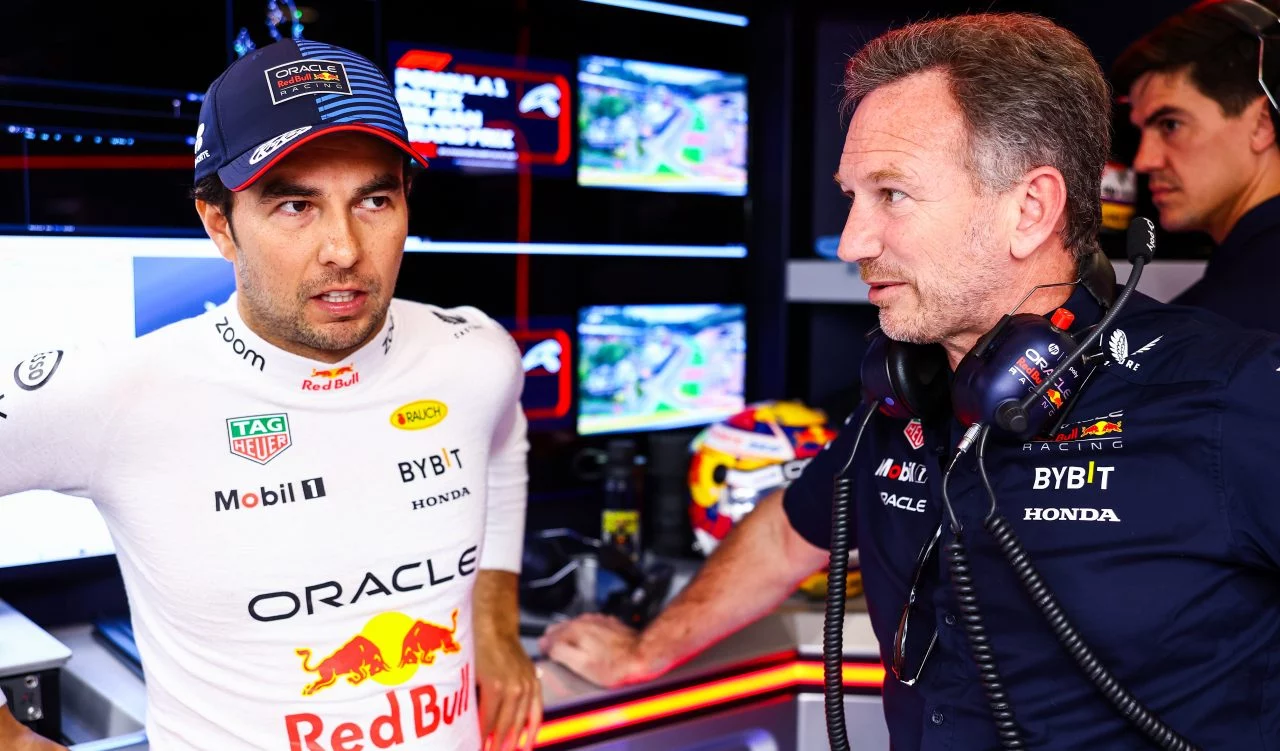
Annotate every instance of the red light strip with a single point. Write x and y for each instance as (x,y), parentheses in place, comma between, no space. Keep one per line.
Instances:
(705,696)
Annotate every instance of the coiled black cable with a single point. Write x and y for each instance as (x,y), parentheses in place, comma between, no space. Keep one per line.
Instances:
(1124,702)
(971,616)
(837,573)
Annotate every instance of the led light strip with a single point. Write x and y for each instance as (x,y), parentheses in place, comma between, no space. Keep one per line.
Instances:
(698,14)
(423,245)
(801,673)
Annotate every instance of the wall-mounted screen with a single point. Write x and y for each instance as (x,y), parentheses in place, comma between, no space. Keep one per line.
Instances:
(652,367)
(652,126)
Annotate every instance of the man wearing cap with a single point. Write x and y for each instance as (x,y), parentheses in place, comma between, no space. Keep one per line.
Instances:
(1208,147)
(316,491)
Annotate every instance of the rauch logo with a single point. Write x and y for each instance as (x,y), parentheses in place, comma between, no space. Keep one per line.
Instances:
(419,415)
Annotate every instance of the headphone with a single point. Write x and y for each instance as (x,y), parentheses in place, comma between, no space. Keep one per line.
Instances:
(1257,20)
(549,583)
(1012,360)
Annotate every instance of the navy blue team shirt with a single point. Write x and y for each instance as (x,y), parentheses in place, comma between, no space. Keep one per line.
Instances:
(1242,277)
(1153,513)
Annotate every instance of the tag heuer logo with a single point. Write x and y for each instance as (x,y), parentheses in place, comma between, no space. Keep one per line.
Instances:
(259,438)
(914,433)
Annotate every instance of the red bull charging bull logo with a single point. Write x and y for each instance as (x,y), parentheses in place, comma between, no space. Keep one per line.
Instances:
(388,650)
(1102,427)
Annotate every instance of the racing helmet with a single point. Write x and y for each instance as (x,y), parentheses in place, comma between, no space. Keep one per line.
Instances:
(739,461)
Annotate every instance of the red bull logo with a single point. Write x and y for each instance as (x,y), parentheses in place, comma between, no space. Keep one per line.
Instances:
(425,640)
(326,77)
(1055,397)
(1102,427)
(333,372)
(412,642)
(410,715)
(332,379)
(358,660)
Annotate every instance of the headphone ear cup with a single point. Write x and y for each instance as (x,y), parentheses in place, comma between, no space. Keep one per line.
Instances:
(920,375)
(1017,362)
(909,380)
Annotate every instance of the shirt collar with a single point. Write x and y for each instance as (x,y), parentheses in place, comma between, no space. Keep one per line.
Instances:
(1259,219)
(1084,307)
(245,350)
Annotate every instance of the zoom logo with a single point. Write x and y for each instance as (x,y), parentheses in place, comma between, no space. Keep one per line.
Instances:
(238,346)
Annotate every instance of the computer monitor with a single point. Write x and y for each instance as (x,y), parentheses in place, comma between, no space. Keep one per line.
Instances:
(653,367)
(652,126)
(57,290)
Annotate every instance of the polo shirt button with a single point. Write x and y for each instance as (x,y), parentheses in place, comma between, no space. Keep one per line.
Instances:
(950,619)
(937,718)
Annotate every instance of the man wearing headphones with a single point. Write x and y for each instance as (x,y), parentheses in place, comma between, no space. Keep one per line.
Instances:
(972,165)
(1209,148)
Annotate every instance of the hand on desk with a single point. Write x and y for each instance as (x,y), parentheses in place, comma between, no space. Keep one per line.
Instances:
(510,695)
(597,647)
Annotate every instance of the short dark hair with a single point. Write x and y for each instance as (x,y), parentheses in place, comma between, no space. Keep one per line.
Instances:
(1031,94)
(1220,56)
(211,189)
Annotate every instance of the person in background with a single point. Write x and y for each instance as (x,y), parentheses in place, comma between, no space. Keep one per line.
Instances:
(1209,150)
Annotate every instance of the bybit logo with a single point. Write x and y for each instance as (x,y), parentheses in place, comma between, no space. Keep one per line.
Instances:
(1071,477)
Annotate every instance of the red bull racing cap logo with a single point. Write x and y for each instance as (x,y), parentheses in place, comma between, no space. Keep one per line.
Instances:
(307,77)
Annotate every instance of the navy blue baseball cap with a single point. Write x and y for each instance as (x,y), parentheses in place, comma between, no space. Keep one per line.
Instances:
(274,99)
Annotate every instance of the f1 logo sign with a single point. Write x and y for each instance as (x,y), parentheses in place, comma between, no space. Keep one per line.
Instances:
(548,392)
(545,354)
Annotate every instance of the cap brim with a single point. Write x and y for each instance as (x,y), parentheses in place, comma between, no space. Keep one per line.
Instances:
(245,171)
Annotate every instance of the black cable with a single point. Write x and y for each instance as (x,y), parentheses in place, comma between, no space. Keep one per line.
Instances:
(1124,702)
(971,616)
(837,574)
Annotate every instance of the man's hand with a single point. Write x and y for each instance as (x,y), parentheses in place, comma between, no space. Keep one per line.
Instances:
(510,695)
(16,737)
(600,648)
(510,692)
